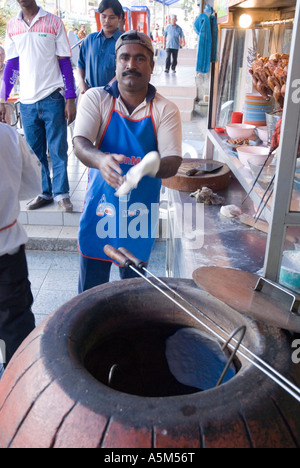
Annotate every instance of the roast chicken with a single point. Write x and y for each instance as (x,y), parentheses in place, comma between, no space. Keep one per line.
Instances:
(276,138)
(269,76)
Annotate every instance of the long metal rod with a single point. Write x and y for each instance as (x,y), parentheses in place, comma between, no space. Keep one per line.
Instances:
(126,259)
(258,215)
(285,386)
(271,369)
(243,329)
(257,177)
(270,185)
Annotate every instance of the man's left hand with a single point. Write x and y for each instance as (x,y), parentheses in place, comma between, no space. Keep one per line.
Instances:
(70,110)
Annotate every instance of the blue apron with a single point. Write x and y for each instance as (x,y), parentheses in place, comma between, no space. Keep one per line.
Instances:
(130,221)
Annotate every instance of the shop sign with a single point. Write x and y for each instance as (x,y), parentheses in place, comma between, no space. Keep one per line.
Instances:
(222,11)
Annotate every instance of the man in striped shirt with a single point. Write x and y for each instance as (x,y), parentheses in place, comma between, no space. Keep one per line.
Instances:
(37,45)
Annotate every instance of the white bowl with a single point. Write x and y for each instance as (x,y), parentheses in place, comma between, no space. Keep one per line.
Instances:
(263,134)
(240,130)
(256,154)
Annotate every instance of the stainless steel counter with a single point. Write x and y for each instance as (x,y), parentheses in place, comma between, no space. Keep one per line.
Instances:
(198,235)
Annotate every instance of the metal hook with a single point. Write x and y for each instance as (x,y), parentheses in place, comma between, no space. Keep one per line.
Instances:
(113,368)
(243,328)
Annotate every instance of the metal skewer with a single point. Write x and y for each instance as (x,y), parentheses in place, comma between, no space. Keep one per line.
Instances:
(258,176)
(257,216)
(266,191)
(274,375)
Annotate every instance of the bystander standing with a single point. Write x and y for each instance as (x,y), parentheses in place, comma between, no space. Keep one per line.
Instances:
(82,34)
(96,64)
(173,40)
(37,45)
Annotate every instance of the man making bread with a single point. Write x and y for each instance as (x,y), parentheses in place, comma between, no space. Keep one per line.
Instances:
(130,137)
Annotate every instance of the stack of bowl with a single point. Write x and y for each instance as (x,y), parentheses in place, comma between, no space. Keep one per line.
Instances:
(256,154)
(255,109)
(252,154)
(239,130)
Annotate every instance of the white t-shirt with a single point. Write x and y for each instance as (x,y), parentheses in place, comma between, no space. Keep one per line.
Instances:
(96,105)
(20,179)
(38,47)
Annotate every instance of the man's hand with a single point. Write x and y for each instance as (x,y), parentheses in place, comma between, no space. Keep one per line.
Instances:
(2,112)
(148,166)
(83,86)
(109,165)
(70,110)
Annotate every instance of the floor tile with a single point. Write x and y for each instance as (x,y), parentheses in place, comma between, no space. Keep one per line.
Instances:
(48,301)
(37,278)
(61,280)
(39,260)
(54,277)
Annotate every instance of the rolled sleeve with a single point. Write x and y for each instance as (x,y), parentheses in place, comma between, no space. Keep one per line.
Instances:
(10,48)
(82,54)
(63,48)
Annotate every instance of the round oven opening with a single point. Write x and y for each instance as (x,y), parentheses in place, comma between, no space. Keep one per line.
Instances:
(134,360)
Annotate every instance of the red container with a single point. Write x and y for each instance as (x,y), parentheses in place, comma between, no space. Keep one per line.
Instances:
(237,117)
(140,17)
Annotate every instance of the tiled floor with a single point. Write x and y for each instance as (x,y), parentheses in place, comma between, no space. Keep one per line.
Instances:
(54,276)
(51,215)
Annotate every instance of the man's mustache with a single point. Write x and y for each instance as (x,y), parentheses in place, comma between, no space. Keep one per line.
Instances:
(131,72)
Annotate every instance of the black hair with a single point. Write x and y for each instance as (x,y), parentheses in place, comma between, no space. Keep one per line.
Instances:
(115,5)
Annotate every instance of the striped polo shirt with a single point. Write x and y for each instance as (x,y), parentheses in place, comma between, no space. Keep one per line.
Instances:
(38,47)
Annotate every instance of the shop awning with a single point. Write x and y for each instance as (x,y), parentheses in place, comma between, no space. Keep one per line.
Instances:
(167,2)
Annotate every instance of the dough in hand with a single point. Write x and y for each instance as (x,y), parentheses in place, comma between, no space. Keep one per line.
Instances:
(148,166)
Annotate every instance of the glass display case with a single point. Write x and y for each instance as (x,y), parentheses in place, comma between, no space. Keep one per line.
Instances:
(279,199)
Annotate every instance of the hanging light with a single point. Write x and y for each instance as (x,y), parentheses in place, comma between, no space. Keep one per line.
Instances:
(245,21)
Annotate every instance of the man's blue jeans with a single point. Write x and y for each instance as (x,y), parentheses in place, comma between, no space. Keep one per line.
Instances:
(44,122)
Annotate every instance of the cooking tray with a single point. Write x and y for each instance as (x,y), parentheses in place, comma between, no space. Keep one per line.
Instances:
(236,289)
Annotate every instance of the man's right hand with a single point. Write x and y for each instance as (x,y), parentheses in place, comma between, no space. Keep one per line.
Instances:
(2,112)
